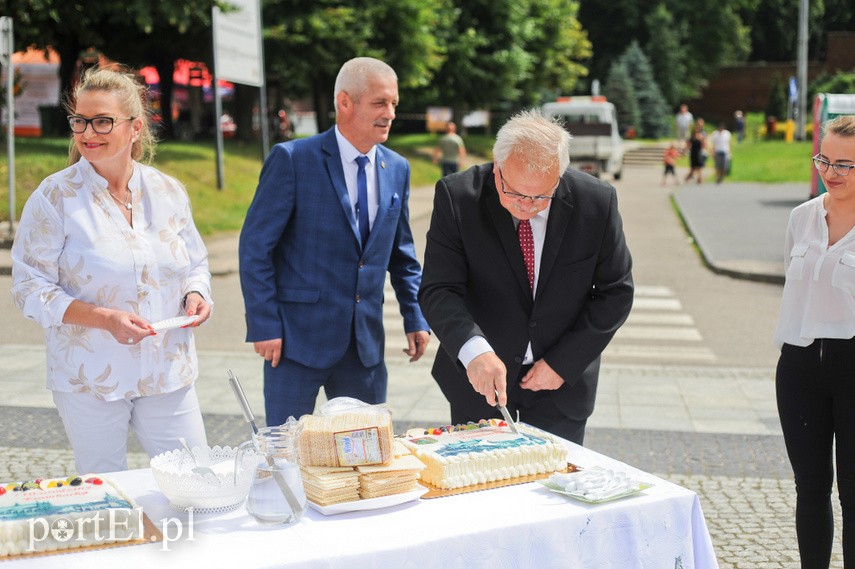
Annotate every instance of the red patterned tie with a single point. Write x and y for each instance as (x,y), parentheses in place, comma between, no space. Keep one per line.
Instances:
(527,246)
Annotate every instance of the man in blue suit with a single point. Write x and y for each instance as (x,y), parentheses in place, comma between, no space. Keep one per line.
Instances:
(328,219)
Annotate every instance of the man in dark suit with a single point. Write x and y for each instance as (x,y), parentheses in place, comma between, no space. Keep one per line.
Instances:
(328,220)
(526,280)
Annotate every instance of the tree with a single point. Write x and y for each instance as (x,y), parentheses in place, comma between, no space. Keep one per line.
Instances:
(843,82)
(651,104)
(307,42)
(559,47)
(776,105)
(716,37)
(774,29)
(134,32)
(611,26)
(620,92)
(715,34)
(485,58)
(502,54)
(666,54)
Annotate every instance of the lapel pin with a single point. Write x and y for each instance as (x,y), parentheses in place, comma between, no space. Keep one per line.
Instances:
(383,164)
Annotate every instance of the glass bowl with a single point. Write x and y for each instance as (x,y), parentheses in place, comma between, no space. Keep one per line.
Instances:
(185,489)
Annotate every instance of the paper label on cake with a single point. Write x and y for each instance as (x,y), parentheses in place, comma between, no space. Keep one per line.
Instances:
(358,447)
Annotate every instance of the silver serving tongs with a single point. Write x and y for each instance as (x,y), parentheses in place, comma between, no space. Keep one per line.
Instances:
(277,474)
(505,414)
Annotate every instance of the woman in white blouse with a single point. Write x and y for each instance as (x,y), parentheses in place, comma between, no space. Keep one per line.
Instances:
(105,248)
(815,380)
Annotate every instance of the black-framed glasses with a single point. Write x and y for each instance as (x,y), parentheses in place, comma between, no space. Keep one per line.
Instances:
(100,125)
(523,197)
(839,168)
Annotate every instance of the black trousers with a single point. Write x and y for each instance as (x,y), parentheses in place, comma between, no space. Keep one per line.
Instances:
(815,387)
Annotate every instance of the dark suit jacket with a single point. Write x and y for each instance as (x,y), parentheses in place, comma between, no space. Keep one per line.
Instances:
(475,283)
(304,275)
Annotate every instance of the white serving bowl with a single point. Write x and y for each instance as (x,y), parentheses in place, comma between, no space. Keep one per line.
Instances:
(173,473)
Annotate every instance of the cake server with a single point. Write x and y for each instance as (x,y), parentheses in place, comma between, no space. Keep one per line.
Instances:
(292,500)
(507,416)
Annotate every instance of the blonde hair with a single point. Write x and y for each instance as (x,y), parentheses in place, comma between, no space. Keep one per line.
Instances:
(843,125)
(133,99)
(540,142)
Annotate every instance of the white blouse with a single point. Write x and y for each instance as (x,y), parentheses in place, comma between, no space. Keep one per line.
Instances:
(74,243)
(819,291)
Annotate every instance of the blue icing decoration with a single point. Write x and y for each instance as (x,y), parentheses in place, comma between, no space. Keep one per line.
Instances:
(37,509)
(481,445)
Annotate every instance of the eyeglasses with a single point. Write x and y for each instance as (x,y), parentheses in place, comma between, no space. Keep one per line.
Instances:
(523,197)
(100,125)
(839,168)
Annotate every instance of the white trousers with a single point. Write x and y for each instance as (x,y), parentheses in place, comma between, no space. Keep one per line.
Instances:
(98,430)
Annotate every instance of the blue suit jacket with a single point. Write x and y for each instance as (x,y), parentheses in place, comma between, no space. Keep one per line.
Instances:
(304,275)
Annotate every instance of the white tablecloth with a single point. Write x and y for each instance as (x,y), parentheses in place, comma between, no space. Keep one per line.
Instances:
(511,527)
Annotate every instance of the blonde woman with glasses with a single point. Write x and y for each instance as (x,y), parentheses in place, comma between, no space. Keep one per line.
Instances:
(815,380)
(106,248)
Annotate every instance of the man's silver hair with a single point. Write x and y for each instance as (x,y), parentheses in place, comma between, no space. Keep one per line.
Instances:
(354,75)
(537,141)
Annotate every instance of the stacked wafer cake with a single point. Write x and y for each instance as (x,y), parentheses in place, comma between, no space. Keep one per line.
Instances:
(399,477)
(327,485)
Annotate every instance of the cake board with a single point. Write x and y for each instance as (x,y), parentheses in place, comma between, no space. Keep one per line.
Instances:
(434,492)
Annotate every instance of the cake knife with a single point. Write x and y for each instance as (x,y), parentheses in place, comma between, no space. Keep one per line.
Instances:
(505,414)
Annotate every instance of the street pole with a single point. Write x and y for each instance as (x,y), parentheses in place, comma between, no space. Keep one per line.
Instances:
(218,109)
(801,104)
(6,49)
(218,112)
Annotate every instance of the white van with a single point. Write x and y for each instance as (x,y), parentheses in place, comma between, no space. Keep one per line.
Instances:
(596,147)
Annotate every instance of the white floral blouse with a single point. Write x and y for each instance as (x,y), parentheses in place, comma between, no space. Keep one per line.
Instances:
(74,243)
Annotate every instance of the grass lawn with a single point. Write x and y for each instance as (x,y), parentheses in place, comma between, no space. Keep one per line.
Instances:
(192,163)
(771,161)
(214,211)
(763,161)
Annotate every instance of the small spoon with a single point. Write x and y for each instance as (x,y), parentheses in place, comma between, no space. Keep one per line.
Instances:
(200,470)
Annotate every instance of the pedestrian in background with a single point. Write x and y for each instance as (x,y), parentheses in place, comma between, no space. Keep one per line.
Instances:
(329,219)
(523,309)
(105,247)
(739,126)
(683,121)
(815,379)
(669,159)
(450,151)
(720,140)
(697,144)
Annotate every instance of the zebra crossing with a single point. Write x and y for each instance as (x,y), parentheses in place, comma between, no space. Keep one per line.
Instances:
(658,331)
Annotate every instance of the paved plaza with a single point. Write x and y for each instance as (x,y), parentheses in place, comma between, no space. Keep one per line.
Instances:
(709,428)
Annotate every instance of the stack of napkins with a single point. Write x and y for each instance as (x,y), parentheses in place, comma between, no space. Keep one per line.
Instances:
(396,478)
(326,485)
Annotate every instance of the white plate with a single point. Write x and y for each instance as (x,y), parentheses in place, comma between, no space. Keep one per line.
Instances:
(172,323)
(370,503)
(581,497)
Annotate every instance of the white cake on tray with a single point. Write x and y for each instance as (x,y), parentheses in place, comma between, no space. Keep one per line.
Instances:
(56,514)
(457,456)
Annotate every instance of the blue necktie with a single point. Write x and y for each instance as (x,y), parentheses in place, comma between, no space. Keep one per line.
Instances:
(362,199)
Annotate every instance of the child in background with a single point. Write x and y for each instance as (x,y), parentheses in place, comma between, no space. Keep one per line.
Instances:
(669,158)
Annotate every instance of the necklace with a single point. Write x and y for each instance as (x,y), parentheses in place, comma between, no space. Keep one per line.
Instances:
(127,205)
